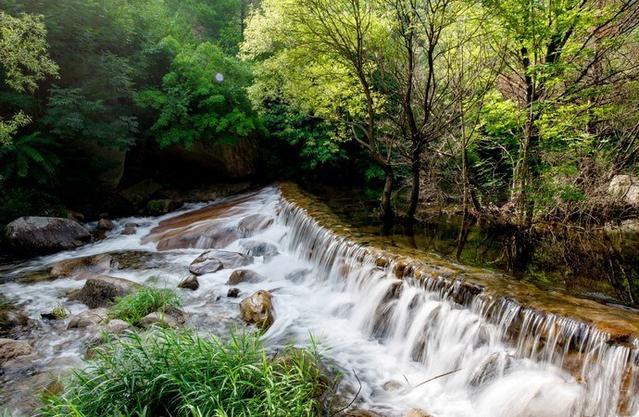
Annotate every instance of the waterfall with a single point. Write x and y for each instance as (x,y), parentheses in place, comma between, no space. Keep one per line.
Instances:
(488,344)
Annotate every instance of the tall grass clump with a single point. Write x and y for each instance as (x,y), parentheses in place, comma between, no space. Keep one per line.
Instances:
(175,373)
(133,307)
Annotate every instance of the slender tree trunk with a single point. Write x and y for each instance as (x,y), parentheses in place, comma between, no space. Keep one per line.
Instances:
(416,166)
(388,215)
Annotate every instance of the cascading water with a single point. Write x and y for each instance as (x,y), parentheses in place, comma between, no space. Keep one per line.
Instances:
(403,339)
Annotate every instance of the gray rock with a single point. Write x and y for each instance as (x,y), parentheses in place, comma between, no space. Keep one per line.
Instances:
(625,187)
(244,275)
(130,229)
(255,248)
(45,234)
(215,260)
(88,318)
(102,290)
(171,318)
(254,223)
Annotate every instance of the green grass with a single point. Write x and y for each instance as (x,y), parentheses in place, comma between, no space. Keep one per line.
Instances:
(179,374)
(133,307)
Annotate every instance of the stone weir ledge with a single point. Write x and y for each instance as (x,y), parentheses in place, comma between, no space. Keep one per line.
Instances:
(596,343)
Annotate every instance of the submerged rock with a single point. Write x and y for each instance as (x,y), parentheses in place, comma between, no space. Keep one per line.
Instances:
(253,224)
(298,275)
(255,248)
(492,367)
(258,309)
(215,260)
(88,318)
(96,264)
(392,385)
(233,293)
(244,275)
(102,290)
(45,234)
(362,413)
(10,349)
(190,283)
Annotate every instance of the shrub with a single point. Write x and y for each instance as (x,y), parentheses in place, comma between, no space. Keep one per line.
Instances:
(179,374)
(133,307)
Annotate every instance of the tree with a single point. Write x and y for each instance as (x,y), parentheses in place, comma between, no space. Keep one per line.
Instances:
(24,61)
(559,53)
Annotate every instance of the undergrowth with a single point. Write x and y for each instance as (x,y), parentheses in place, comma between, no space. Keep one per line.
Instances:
(178,374)
(133,307)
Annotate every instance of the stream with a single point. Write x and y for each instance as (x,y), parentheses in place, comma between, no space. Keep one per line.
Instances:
(402,342)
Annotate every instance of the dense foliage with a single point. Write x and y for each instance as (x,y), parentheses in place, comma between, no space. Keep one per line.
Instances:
(133,307)
(180,374)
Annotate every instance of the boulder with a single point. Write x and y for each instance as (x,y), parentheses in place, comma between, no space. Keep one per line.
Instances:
(130,229)
(105,224)
(254,224)
(265,249)
(102,290)
(258,309)
(233,293)
(45,234)
(244,275)
(215,260)
(190,283)
(117,326)
(12,319)
(625,187)
(10,349)
(88,318)
(96,264)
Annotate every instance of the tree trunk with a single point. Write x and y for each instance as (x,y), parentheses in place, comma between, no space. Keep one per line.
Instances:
(416,166)
(388,215)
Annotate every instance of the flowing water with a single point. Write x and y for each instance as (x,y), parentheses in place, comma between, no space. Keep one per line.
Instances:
(404,343)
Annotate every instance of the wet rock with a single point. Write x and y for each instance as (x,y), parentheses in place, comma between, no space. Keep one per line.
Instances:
(492,367)
(244,275)
(416,412)
(33,277)
(298,275)
(233,293)
(254,224)
(117,326)
(102,290)
(74,215)
(171,318)
(254,248)
(88,318)
(162,206)
(215,260)
(190,283)
(12,319)
(45,234)
(137,259)
(381,262)
(10,349)
(130,229)
(392,385)
(97,264)
(258,309)
(625,187)
(105,224)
